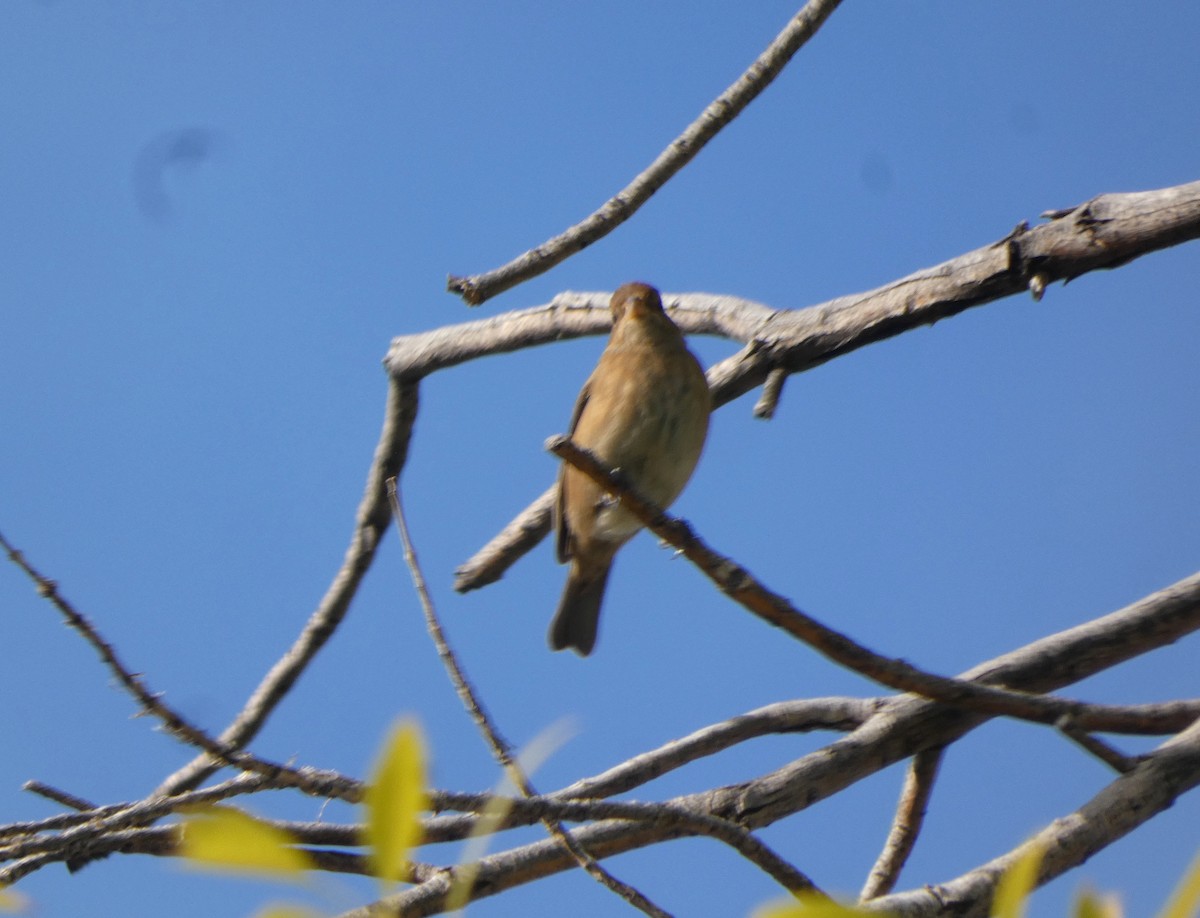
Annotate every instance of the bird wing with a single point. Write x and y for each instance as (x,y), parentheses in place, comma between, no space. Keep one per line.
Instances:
(562,535)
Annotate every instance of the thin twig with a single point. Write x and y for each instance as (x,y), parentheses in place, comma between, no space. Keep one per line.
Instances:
(670,816)
(625,203)
(906,824)
(501,750)
(765,407)
(1113,758)
(799,716)
(903,727)
(79,842)
(737,583)
(58,795)
(371,523)
(318,784)
(526,530)
(737,837)
(673,816)
(242,784)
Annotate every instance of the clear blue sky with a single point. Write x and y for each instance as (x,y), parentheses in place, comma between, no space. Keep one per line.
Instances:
(190,361)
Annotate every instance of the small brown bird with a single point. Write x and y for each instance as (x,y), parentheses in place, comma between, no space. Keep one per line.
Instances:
(644,410)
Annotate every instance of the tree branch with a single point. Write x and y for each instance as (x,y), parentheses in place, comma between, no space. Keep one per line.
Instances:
(1104,232)
(371,523)
(500,747)
(906,825)
(307,780)
(619,208)
(738,584)
(1122,806)
(783,717)
(905,726)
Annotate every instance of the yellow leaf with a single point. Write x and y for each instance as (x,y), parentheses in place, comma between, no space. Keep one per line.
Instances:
(1089,904)
(1017,883)
(230,839)
(12,901)
(1185,900)
(395,799)
(807,905)
(286,910)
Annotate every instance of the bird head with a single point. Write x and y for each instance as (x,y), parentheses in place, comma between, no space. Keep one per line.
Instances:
(635,300)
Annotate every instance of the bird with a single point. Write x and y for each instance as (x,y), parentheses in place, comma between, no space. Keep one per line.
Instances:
(644,411)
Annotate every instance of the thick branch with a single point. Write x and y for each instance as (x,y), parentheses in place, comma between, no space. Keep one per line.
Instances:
(1105,232)
(569,315)
(904,727)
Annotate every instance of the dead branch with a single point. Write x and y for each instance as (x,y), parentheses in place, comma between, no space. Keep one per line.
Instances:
(623,205)
(1105,232)
(902,728)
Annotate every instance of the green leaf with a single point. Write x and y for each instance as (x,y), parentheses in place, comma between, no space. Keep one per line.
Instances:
(228,839)
(395,799)
(1017,883)
(1185,900)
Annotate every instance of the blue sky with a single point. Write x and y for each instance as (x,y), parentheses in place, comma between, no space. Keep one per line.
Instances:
(193,391)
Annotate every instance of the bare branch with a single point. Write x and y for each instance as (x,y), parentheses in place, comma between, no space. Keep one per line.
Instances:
(678,821)
(1105,232)
(569,315)
(737,583)
(664,820)
(1122,806)
(798,716)
(508,546)
(244,783)
(177,725)
(784,717)
(68,800)
(501,750)
(1117,761)
(370,525)
(772,390)
(906,825)
(87,834)
(904,727)
(727,106)
(669,816)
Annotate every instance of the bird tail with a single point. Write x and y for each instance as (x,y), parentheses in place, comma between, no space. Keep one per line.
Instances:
(578,613)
